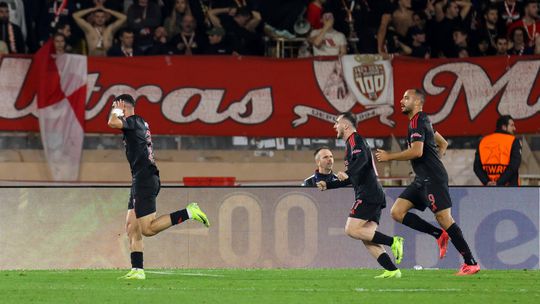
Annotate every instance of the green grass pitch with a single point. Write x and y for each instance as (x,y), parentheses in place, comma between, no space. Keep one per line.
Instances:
(269,286)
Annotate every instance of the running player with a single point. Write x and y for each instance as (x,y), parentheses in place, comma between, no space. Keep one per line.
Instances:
(141,216)
(430,186)
(369,197)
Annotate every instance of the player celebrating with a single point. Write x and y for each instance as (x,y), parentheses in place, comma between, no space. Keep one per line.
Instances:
(369,197)
(141,216)
(430,187)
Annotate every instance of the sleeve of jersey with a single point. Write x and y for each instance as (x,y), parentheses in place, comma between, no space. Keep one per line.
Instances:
(338,184)
(359,158)
(127,123)
(418,132)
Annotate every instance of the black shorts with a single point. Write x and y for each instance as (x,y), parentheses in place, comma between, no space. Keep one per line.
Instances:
(425,193)
(143,195)
(369,210)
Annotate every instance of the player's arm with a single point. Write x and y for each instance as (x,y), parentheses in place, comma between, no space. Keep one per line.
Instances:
(513,166)
(323,185)
(116,117)
(416,150)
(441,143)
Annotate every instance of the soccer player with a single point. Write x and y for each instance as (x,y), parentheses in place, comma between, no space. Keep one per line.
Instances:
(430,186)
(369,197)
(141,216)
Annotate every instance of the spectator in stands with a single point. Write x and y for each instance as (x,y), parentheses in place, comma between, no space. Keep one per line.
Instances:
(244,28)
(65,30)
(314,13)
(127,47)
(59,42)
(501,46)
(325,162)
(418,47)
(461,47)
(161,45)
(482,48)
(402,19)
(16,14)
(498,156)
(455,13)
(529,22)
(190,40)
(327,41)
(10,33)
(143,17)
(509,11)
(173,23)
(50,13)
(217,45)
(99,35)
(520,43)
(488,29)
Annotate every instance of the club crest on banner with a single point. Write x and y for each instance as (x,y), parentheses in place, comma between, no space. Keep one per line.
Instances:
(363,79)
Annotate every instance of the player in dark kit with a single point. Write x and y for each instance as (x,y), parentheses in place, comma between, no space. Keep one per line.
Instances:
(369,197)
(141,216)
(430,186)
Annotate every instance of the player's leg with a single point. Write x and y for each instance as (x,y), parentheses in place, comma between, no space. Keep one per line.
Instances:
(362,225)
(444,217)
(400,213)
(134,234)
(377,251)
(145,208)
(152,225)
(135,246)
(365,230)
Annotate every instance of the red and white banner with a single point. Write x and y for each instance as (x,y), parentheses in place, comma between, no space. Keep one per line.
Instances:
(291,98)
(61,95)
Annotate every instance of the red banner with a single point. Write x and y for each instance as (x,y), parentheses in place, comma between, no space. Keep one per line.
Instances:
(290,98)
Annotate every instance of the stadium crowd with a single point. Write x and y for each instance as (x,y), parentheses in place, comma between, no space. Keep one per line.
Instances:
(419,28)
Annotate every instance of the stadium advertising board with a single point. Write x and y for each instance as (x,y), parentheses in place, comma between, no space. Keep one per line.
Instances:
(290,98)
(254,228)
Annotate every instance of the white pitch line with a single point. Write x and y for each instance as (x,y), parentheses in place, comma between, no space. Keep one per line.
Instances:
(194,274)
(407,290)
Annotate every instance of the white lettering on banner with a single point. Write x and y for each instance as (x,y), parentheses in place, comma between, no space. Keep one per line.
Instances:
(152,92)
(254,108)
(303,112)
(12,75)
(517,82)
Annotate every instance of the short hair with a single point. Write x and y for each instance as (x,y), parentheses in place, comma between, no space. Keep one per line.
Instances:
(501,37)
(491,7)
(503,121)
(447,5)
(4,4)
(126,98)
(421,94)
(125,30)
(350,117)
(319,150)
(59,35)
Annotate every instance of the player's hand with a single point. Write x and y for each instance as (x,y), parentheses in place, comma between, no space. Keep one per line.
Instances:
(342,176)
(321,185)
(491,183)
(382,155)
(119,104)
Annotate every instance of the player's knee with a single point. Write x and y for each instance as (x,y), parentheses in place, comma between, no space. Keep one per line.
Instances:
(148,232)
(397,214)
